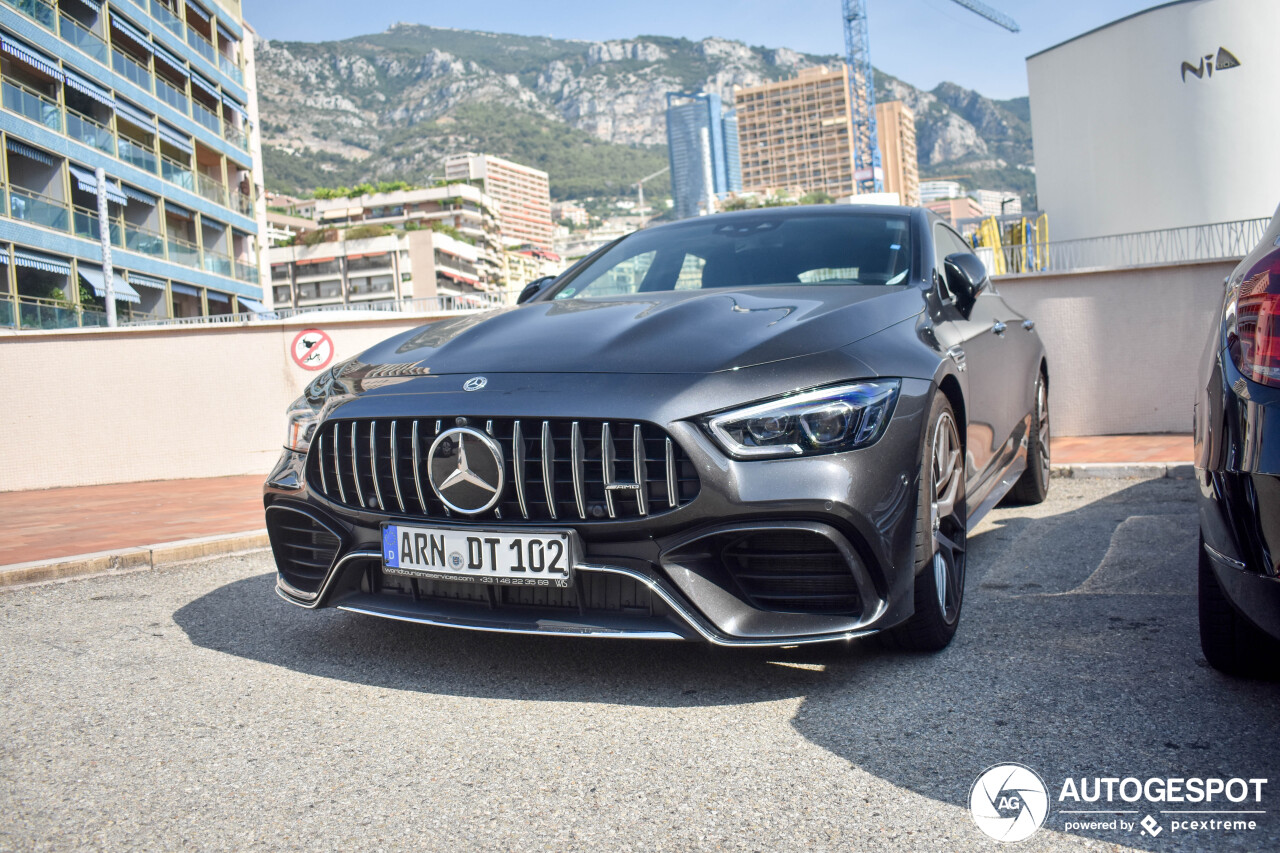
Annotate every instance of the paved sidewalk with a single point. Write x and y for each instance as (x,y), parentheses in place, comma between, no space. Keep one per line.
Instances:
(57,523)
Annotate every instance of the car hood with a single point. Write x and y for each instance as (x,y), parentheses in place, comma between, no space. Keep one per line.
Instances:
(669,332)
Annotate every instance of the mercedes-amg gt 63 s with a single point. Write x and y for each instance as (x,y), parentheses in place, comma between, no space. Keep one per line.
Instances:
(1237,435)
(769,427)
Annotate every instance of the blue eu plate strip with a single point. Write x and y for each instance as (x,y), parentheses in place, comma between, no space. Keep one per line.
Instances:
(390,548)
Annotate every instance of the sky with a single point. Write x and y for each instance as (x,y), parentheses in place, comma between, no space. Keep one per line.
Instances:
(923,42)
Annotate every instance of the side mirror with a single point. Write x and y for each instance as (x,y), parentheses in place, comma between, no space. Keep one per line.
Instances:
(533,288)
(966,278)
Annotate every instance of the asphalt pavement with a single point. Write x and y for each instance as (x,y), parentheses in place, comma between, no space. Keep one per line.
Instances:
(189,708)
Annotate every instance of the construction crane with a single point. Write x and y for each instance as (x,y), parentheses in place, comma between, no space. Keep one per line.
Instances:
(857,47)
(639,185)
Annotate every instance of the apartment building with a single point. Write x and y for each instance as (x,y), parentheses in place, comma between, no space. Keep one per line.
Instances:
(159,95)
(522,193)
(935,190)
(797,135)
(998,202)
(460,206)
(896,135)
(402,266)
(956,210)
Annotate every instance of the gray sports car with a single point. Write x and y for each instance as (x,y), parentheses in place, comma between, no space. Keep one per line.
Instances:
(761,428)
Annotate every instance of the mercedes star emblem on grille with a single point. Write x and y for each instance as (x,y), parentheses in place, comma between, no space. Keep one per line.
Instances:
(475,383)
(466,470)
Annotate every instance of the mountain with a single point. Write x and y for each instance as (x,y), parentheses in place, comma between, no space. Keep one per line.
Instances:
(393,104)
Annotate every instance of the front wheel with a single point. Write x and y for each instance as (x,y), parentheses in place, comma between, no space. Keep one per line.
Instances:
(941,537)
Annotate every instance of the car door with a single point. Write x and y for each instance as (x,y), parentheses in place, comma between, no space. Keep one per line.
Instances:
(979,340)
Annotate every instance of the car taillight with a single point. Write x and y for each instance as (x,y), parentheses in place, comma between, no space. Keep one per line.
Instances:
(1255,344)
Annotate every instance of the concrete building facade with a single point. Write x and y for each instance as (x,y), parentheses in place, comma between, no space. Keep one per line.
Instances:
(1163,119)
(522,192)
(896,133)
(161,97)
(998,202)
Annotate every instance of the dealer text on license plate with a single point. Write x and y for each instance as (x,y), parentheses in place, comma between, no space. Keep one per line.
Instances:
(534,558)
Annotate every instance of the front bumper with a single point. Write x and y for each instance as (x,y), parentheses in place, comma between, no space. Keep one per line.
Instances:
(664,577)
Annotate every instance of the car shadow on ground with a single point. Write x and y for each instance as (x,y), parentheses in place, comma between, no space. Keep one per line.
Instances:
(1078,657)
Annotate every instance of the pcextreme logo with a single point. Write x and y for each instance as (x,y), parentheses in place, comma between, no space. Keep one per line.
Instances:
(1010,802)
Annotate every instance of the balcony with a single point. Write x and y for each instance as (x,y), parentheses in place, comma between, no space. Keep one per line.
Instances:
(177,173)
(234,135)
(8,316)
(167,18)
(132,70)
(172,95)
(242,203)
(85,223)
(184,252)
(89,131)
(211,188)
(135,154)
(38,209)
(217,264)
(230,68)
(144,241)
(38,10)
(36,313)
(76,33)
(246,272)
(206,117)
(31,104)
(202,46)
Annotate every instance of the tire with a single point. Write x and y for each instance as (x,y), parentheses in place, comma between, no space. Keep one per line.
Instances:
(1231,643)
(1033,486)
(941,538)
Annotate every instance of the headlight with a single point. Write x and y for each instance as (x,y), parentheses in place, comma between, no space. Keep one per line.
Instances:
(826,420)
(305,414)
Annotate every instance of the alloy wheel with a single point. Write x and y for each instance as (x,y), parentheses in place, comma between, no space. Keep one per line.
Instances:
(947,518)
(1042,435)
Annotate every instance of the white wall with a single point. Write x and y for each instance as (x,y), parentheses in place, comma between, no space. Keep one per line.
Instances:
(1124,346)
(1123,144)
(124,405)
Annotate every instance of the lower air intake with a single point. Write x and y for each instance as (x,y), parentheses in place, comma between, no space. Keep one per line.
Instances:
(304,549)
(792,571)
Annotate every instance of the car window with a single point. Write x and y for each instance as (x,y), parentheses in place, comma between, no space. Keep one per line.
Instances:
(728,251)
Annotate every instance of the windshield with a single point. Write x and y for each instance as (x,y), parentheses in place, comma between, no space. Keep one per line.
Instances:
(719,251)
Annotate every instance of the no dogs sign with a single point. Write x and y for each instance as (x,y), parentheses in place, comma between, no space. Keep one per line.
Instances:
(312,349)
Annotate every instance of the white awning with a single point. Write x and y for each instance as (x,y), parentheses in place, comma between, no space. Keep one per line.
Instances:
(30,153)
(203,84)
(131,31)
(170,60)
(144,281)
(123,292)
(200,13)
(88,182)
(139,195)
(99,94)
(35,261)
(176,138)
(134,116)
(30,56)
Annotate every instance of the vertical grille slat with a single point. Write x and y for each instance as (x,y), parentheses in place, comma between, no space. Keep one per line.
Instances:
(517,461)
(558,469)
(417,475)
(578,452)
(395,465)
(549,468)
(373,463)
(355,462)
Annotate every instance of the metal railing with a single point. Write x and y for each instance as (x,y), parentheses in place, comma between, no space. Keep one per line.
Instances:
(38,10)
(183,252)
(234,135)
(144,241)
(76,33)
(211,188)
(202,45)
(176,173)
(82,128)
(167,18)
(131,69)
(85,223)
(217,264)
(38,209)
(431,305)
(27,102)
(210,120)
(246,272)
(230,68)
(1217,241)
(172,95)
(136,154)
(8,316)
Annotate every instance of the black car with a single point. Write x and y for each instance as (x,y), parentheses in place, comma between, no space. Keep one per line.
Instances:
(1237,435)
(760,428)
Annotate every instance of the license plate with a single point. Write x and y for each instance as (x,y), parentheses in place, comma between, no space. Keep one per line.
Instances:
(523,558)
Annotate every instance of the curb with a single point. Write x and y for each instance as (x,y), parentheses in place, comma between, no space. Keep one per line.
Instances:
(140,558)
(1125,470)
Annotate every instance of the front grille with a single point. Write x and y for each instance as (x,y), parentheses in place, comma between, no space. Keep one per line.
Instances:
(304,549)
(556,470)
(590,593)
(792,571)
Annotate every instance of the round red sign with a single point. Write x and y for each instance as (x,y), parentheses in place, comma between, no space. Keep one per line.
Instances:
(312,349)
